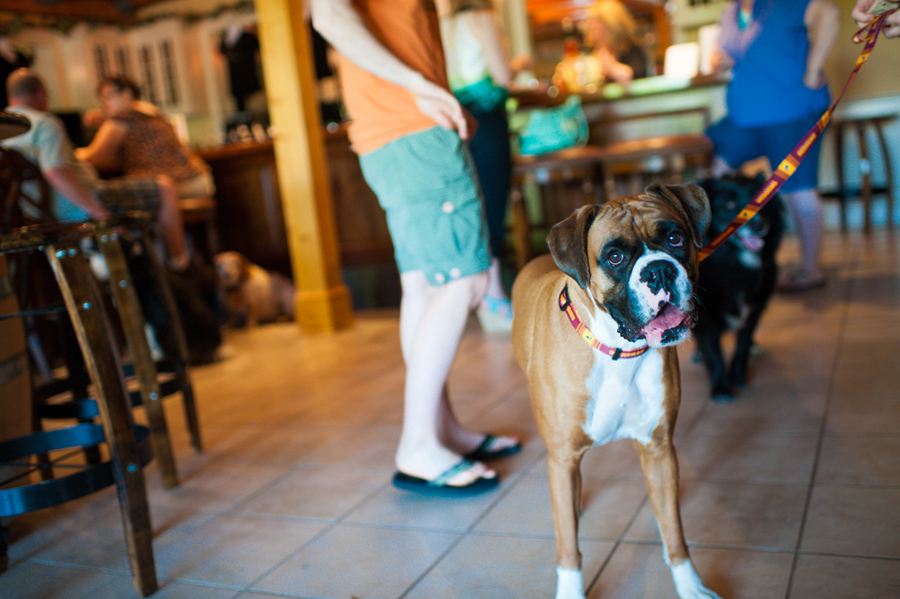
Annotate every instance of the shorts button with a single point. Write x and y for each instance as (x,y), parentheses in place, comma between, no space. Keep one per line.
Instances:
(439,278)
(448,207)
(455,273)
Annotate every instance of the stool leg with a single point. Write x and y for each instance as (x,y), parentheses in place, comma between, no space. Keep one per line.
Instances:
(82,299)
(182,374)
(144,368)
(865,172)
(888,173)
(839,164)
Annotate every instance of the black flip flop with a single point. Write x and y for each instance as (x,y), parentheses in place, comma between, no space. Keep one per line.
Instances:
(439,487)
(483,454)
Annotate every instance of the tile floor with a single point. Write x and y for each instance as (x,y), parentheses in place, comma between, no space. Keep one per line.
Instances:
(792,492)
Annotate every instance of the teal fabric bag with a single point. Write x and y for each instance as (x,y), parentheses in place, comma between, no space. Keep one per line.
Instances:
(551,129)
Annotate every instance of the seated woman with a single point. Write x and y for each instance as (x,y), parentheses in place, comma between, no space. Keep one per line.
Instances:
(137,139)
(611,33)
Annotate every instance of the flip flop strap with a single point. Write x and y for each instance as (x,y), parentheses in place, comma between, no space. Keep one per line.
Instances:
(444,478)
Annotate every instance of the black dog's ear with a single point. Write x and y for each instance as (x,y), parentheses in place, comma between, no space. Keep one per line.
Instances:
(568,244)
(691,201)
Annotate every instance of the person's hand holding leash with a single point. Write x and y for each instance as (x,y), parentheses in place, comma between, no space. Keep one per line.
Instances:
(866,10)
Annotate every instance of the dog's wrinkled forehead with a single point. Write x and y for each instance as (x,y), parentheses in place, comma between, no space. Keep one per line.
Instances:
(635,217)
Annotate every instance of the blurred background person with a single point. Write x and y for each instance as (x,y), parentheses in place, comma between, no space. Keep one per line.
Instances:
(770,109)
(137,140)
(480,72)
(610,33)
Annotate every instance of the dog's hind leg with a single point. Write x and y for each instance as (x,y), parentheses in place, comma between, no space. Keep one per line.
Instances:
(660,467)
(564,468)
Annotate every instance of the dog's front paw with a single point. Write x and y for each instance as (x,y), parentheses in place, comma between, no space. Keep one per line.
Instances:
(569,584)
(688,584)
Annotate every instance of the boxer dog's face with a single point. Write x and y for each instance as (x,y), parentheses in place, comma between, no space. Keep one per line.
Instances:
(637,256)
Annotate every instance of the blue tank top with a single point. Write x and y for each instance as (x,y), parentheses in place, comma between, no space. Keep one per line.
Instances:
(769,63)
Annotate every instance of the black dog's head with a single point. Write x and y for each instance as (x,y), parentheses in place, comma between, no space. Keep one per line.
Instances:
(728,195)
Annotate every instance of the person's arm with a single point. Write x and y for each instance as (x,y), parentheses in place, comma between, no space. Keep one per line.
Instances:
(342,26)
(103,151)
(68,185)
(612,68)
(484,26)
(823,21)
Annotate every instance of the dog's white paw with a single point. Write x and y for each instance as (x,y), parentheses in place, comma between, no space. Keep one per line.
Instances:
(569,584)
(688,584)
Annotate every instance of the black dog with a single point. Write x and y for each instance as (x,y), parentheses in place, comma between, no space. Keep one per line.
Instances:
(737,280)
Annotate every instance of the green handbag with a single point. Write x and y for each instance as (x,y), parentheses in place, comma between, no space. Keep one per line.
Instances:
(551,129)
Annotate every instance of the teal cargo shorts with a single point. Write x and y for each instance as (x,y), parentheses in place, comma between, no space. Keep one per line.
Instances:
(427,185)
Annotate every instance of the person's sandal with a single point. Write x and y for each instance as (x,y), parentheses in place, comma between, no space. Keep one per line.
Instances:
(801,281)
(495,314)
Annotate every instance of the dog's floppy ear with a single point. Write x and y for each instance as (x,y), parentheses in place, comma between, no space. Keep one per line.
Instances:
(691,201)
(568,244)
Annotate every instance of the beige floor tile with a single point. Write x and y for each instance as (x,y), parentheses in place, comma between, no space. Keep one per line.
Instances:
(394,508)
(366,447)
(741,459)
(351,561)
(855,410)
(845,577)
(234,549)
(608,507)
(34,532)
(288,445)
(764,410)
(216,489)
(744,515)
(27,580)
(185,590)
(853,521)
(315,492)
(492,567)
(859,460)
(616,460)
(637,571)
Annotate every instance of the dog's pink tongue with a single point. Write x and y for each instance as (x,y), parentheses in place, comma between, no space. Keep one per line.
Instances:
(668,318)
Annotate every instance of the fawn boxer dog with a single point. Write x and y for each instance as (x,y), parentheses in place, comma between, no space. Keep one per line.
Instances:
(594,333)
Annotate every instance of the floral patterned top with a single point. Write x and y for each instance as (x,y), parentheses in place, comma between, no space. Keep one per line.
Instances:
(151,147)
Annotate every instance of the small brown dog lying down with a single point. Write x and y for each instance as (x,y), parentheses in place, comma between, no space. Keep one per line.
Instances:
(252,294)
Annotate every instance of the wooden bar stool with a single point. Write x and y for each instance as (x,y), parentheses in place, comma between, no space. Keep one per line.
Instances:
(566,180)
(199,215)
(61,244)
(657,147)
(848,127)
(663,158)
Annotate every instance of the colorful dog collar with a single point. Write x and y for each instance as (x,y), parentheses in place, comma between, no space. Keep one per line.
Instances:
(613,352)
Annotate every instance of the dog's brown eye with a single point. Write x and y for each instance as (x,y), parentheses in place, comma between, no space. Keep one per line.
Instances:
(676,239)
(615,257)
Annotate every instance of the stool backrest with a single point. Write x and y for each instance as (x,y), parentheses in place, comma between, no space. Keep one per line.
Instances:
(23,204)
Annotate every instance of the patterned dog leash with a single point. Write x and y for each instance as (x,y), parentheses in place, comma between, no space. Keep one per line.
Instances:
(868,34)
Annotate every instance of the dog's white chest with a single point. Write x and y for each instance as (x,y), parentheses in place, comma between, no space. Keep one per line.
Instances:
(626,398)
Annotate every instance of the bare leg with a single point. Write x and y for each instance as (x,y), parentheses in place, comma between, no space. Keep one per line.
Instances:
(170,224)
(432,320)
(806,208)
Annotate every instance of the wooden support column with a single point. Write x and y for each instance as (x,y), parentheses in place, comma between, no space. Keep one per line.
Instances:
(323,301)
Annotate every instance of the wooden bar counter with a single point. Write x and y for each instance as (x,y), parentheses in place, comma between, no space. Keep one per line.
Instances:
(250,217)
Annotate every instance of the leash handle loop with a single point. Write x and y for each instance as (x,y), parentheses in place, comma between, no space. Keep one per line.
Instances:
(868,34)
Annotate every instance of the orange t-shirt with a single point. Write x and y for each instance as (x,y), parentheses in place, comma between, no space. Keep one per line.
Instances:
(381,111)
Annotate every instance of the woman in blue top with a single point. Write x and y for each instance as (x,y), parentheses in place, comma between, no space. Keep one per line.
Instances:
(777,49)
